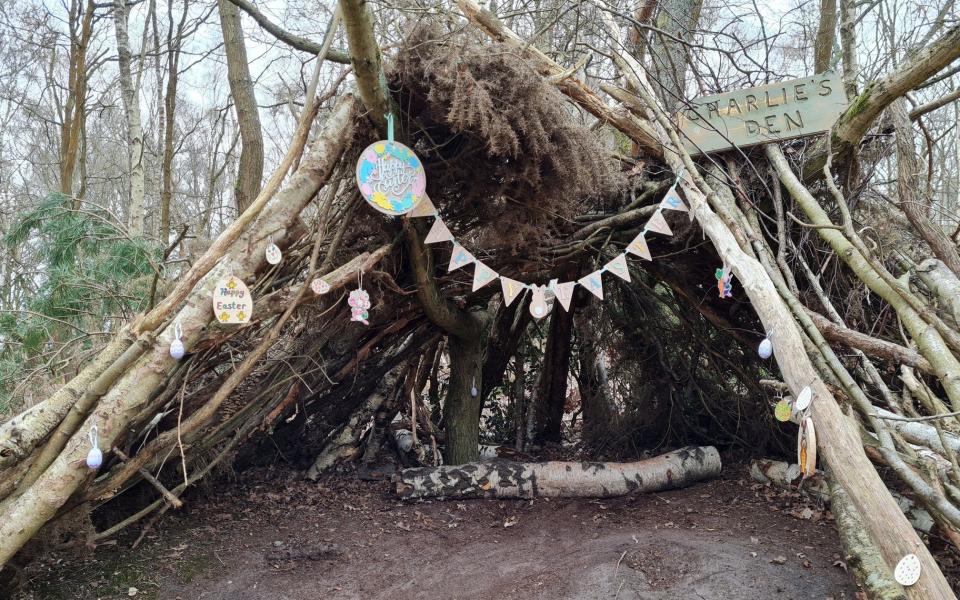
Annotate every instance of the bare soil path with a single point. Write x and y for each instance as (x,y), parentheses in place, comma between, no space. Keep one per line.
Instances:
(276,537)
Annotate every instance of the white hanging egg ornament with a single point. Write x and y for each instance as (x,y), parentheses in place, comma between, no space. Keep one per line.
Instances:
(94,458)
(177,350)
(274,256)
(766,348)
(908,570)
(803,399)
(473,389)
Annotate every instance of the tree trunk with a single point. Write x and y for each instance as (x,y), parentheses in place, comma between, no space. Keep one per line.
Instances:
(169,120)
(130,95)
(552,386)
(461,409)
(826,36)
(677,19)
(503,479)
(250,168)
(598,409)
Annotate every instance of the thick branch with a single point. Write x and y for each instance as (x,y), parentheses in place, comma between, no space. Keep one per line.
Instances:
(870,345)
(294,41)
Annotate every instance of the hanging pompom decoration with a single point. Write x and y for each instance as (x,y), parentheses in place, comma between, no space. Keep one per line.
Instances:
(273,253)
(95,456)
(473,388)
(538,305)
(724,281)
(765,350)
(359,302)
(177,350)
(807,448)
(390,176)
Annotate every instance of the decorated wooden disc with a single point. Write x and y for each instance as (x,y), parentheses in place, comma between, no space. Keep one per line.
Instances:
(807,448)
(907,571)
(319,286)
(391,177)
(232,302)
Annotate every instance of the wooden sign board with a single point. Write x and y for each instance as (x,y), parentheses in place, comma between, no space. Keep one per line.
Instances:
(232,302)
(769,113)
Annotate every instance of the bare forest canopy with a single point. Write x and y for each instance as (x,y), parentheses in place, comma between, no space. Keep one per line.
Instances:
(148,150)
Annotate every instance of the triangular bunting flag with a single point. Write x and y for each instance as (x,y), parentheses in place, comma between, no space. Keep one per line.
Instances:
(618,266)
(482,275)
(439,233)
(564,293)
(424,209)
(593,283)
(511,289)
(638,247)
(672,201)
(658,224)
(459,257)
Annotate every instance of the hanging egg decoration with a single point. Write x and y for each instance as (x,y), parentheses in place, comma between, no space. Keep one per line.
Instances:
(391,177)
(765,350)
(807,448)
(232,302)
(803,398)
(473,388)
(907,571)
(782,410)
(319,286)
(273,254)
(538,305)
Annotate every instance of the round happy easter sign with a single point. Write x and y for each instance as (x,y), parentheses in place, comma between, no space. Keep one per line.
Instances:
(391,177)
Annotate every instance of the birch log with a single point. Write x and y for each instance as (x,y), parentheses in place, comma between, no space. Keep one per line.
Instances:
(555,479)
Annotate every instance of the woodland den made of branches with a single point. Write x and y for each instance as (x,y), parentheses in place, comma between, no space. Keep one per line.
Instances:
(548,142)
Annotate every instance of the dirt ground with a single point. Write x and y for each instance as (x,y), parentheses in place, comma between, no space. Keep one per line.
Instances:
(277,537)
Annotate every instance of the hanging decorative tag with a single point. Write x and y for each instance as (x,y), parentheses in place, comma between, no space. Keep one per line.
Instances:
(274,256)
(564,293)
(95,456)
(907,571)
(803,398)
(765,350)
(359,301)
(807,448)
(459,258)
(177,349)
(593,283)
(511,289)
(538,305)
(319,286)
(232,302)
(638,247)
(390,176)
(482,275)
(424,209)
(724,281)
(658,224)
(672,200)
(438,233)
(782,410)
(618,266)
(473,388)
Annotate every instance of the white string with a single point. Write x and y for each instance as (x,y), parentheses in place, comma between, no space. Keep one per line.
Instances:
(93,437)
(177,330)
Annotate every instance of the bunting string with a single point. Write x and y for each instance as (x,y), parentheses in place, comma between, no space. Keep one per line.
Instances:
(460,257)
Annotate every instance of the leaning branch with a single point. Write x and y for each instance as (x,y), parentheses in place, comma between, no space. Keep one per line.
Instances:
(291,39)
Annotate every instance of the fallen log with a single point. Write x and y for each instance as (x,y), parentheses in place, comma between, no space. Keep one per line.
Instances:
(506,479)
